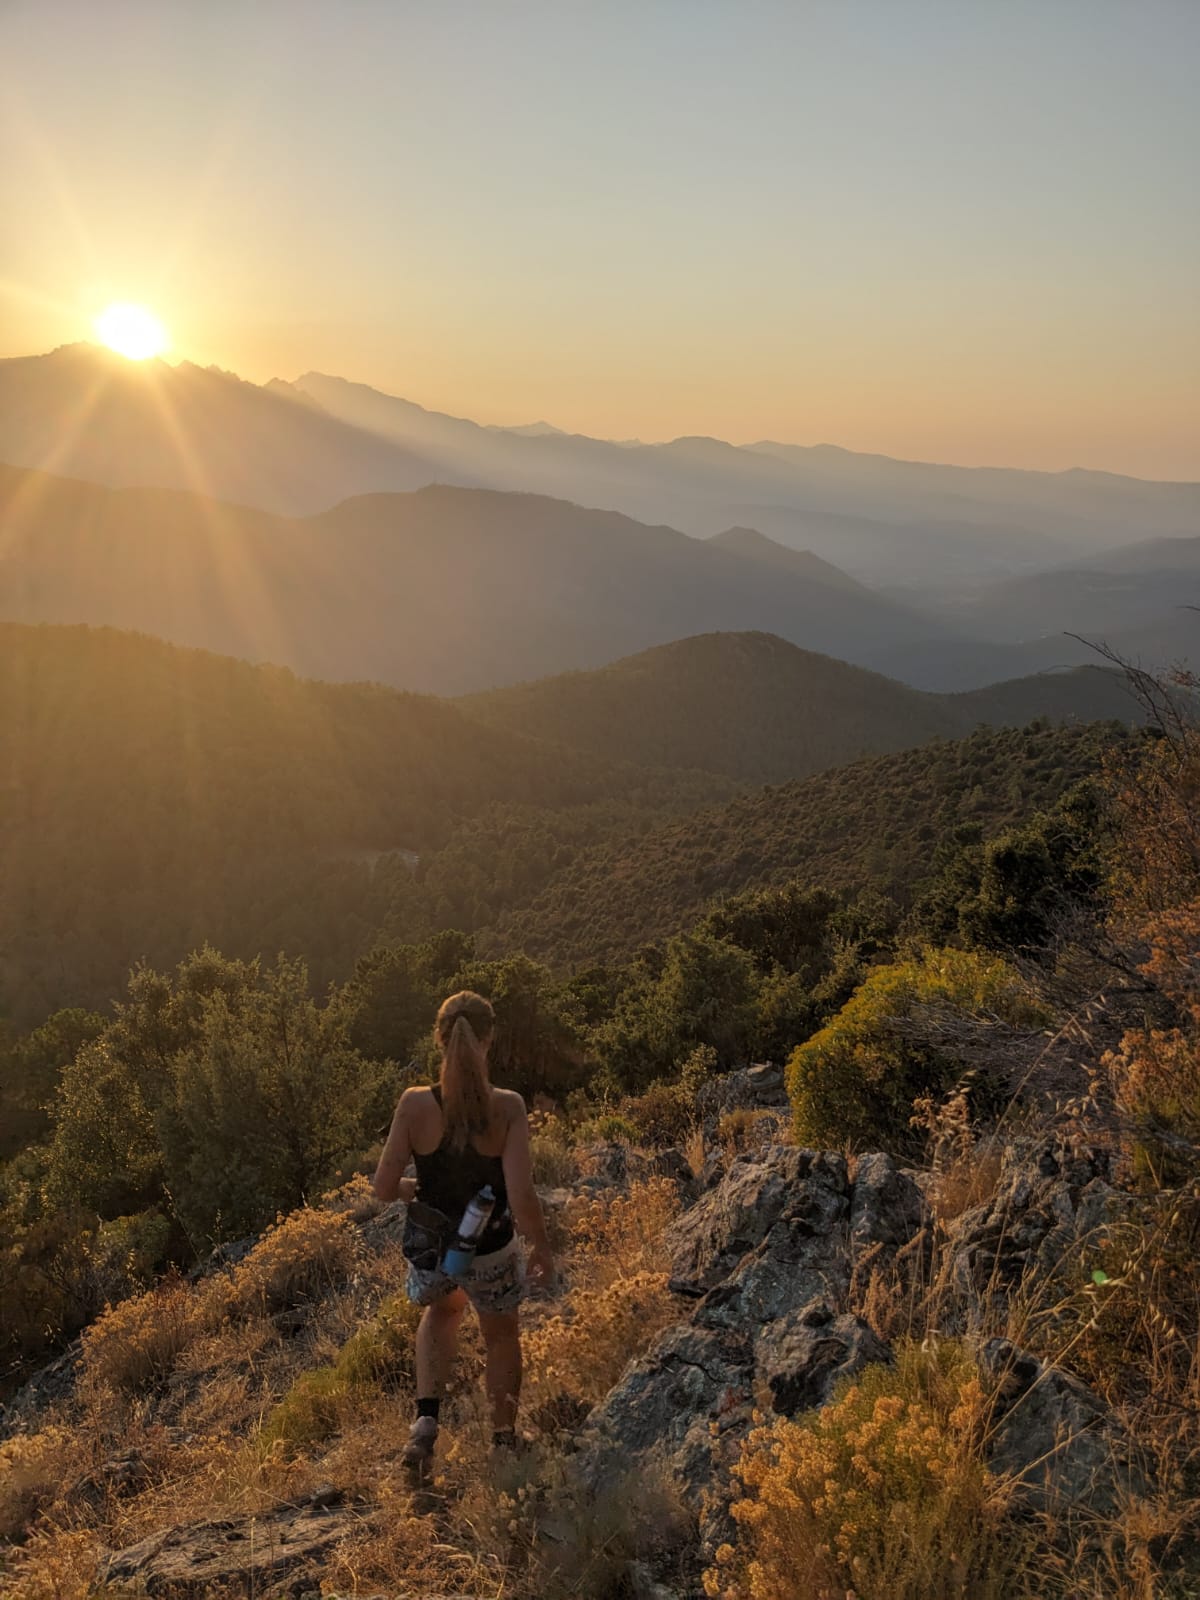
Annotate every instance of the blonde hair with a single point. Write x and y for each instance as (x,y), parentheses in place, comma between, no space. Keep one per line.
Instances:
(463,1031)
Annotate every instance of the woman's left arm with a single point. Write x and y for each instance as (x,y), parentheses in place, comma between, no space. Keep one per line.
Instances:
(389,1182)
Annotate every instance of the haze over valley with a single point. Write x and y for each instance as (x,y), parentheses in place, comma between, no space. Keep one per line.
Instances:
(313,524)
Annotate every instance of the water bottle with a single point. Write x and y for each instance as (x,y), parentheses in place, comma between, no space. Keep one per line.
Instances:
(461,1251)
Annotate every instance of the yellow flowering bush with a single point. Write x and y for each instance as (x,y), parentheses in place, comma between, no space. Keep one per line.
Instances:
(138,1341)
(882,1495)
(583,1352)
(615,1236)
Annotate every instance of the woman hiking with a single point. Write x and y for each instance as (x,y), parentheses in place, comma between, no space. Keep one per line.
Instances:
(465,1137)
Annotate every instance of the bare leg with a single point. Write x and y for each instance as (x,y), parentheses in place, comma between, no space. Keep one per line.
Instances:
(437,1340)
(502,1336)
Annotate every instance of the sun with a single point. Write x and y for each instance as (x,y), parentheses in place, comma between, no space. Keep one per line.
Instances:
(132,331)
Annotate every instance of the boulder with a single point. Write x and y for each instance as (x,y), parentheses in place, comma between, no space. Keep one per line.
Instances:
(732,1218)
(803,1257)
(659,1415)
(1055,1437)
(886,1207)
(610,1165)
(248,1553)
(385,1229)
(802,1357)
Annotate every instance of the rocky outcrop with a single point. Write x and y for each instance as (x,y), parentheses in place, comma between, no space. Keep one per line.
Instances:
(1050,1203)
(764,1255)
(268,1555)
(806,1192)
(54,1384)
(766,1259)
(614,1166)
(758,1088)
(888,1208)
(803,1356)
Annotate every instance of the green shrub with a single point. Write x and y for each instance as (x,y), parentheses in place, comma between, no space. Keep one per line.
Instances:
(554,1164)
(609,1128)
(379,1355)
(663,1115)
(854,1082)
(308,1413)
(381,1351)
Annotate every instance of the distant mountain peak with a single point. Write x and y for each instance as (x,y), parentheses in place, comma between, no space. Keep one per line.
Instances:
(756,546)
(528,430)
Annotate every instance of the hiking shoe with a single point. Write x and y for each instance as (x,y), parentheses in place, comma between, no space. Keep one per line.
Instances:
(418,1452)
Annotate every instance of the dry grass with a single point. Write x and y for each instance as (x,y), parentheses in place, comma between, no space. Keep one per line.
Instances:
(232,1417)
(140,1341)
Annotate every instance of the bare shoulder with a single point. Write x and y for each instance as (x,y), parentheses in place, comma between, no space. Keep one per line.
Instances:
(510,1104)
(416,1101)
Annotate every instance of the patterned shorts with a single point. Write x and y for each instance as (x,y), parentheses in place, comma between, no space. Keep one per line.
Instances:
(492,1283)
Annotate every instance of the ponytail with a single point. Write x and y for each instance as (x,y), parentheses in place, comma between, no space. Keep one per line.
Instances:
(464,1031)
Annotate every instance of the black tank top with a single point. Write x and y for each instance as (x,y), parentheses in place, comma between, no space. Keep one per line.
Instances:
(450,1179)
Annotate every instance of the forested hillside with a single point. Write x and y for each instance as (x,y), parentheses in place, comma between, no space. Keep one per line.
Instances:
(759,709)
(152,798)
(875,824)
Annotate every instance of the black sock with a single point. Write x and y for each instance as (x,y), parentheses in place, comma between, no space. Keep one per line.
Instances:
(429,1408)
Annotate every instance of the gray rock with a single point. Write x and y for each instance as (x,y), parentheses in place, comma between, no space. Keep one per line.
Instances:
(886,1207)
(803,1257)
(770,1239)
(245,1551)
(731,1219)
(1055,1437)
(644,1586)
(51,1385)
(756,1088)
(803,1356)
(712,1171)
(385,1229)
(672,1163)
(223,1257)
(662,1409)
(1048,1203)
(611,1166)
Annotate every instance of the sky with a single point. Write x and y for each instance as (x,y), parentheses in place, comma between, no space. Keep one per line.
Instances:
(954,230)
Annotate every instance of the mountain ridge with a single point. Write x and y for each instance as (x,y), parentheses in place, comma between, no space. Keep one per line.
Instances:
(753,707)
(78,412)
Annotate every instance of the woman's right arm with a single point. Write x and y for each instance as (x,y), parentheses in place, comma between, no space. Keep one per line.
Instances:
(389,1182)
(523,1196)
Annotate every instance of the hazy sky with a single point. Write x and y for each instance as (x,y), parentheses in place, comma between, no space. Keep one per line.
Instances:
(966,230)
